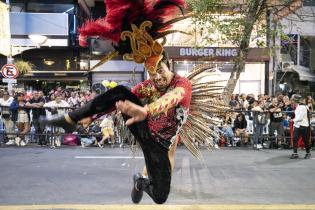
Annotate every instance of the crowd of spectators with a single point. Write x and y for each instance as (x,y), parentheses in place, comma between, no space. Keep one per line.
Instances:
(265,119)
(22,110)
(256,121)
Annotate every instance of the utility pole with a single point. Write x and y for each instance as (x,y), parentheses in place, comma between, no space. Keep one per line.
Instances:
(9,57)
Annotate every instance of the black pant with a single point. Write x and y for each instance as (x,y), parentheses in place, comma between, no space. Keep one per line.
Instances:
(155,155)
(39,130)
(303,132)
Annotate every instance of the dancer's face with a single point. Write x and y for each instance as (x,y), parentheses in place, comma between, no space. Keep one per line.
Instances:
(162,77)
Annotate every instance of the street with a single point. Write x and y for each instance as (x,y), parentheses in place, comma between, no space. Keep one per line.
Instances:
(75,175)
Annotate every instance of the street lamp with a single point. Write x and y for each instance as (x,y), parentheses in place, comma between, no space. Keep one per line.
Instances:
(37,39)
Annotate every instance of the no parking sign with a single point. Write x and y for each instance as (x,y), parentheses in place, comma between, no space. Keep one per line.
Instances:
(10,71)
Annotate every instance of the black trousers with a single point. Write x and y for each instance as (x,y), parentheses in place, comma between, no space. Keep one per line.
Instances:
(39,130)
(303,132)
(155,155)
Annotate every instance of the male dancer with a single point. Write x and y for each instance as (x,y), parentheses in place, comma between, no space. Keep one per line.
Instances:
(154,125)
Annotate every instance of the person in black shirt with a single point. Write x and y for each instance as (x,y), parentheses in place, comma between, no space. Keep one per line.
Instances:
(276,118)
(240,125)
(37,103)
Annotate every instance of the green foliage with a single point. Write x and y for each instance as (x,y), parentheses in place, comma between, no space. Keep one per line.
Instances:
(24,67)
(228,20)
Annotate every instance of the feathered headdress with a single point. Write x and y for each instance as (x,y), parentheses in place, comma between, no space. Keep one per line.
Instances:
(134,27)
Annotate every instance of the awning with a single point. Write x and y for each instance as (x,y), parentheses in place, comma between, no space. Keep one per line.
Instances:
(304,73)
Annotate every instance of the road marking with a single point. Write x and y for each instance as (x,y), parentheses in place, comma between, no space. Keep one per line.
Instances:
(160,207)
(108,157)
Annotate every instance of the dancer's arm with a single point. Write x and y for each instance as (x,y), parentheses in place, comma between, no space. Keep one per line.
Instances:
(166,102)
(180,94)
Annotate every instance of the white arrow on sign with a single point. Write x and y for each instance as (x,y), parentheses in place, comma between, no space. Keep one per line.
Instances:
(5,80)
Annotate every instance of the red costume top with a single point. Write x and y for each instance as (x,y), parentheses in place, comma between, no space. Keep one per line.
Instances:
(166,125)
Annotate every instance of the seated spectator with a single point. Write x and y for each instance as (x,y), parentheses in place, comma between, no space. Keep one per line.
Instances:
(240,125)
(228,132)
(85,136)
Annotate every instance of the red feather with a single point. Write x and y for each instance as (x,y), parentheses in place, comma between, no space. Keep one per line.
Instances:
(121,13)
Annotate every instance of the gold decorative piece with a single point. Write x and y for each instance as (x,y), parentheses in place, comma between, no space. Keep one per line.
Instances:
(144,48)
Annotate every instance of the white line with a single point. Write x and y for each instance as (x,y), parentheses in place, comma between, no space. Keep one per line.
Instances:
(107,157)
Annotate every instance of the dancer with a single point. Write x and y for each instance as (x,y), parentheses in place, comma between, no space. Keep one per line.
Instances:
(155,110)
(154,125)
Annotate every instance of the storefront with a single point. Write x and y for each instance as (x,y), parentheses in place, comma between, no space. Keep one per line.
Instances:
(252,80)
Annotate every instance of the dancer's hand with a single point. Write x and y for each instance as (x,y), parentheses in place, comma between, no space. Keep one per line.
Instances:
(136,112)
(85,122)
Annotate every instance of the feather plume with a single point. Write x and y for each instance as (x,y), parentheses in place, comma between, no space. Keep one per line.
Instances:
(205,110)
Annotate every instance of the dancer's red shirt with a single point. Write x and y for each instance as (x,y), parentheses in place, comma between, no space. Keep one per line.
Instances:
(165,126)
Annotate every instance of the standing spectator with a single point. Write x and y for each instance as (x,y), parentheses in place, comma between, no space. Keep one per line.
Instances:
(243,101)
(37,104)
(233,102)
(301,127)
(240,125)
(87,95)
(260,120)
(276,118)
(73,101)
(107,126)
(310,103)
(5,102)
(82,99)
(56,107)
(20,115)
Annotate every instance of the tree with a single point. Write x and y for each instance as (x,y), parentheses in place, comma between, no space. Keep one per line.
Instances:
(24,67)
(236,21)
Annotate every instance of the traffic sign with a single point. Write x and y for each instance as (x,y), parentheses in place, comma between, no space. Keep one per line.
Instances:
(10,71)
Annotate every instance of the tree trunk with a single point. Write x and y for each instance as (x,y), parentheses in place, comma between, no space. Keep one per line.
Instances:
(253,10)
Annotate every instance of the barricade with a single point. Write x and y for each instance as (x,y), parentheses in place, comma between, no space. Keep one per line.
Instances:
(50,133)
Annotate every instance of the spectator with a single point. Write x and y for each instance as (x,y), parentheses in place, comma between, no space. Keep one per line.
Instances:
(233,102)
(5,102)
(73,101)
(243,101)
(310,103)
(37,104)
(56,107)
(301,127)
(260,120)
(20,115)
(82,99)
(107,126)
(228,132)
(240,125)
(87,95)
(276,118)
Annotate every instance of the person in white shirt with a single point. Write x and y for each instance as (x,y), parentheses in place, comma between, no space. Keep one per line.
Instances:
(301,127)
(5,102)
(107,126)
(56,107)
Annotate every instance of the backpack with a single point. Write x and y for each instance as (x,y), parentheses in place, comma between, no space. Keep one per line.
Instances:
(70,140)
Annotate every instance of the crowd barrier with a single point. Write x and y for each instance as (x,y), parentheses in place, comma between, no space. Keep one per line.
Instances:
(50,133)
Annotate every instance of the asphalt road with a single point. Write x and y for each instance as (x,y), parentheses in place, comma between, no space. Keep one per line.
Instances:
(75,175)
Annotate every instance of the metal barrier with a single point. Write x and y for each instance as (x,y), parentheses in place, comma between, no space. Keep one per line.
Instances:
(51,133)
